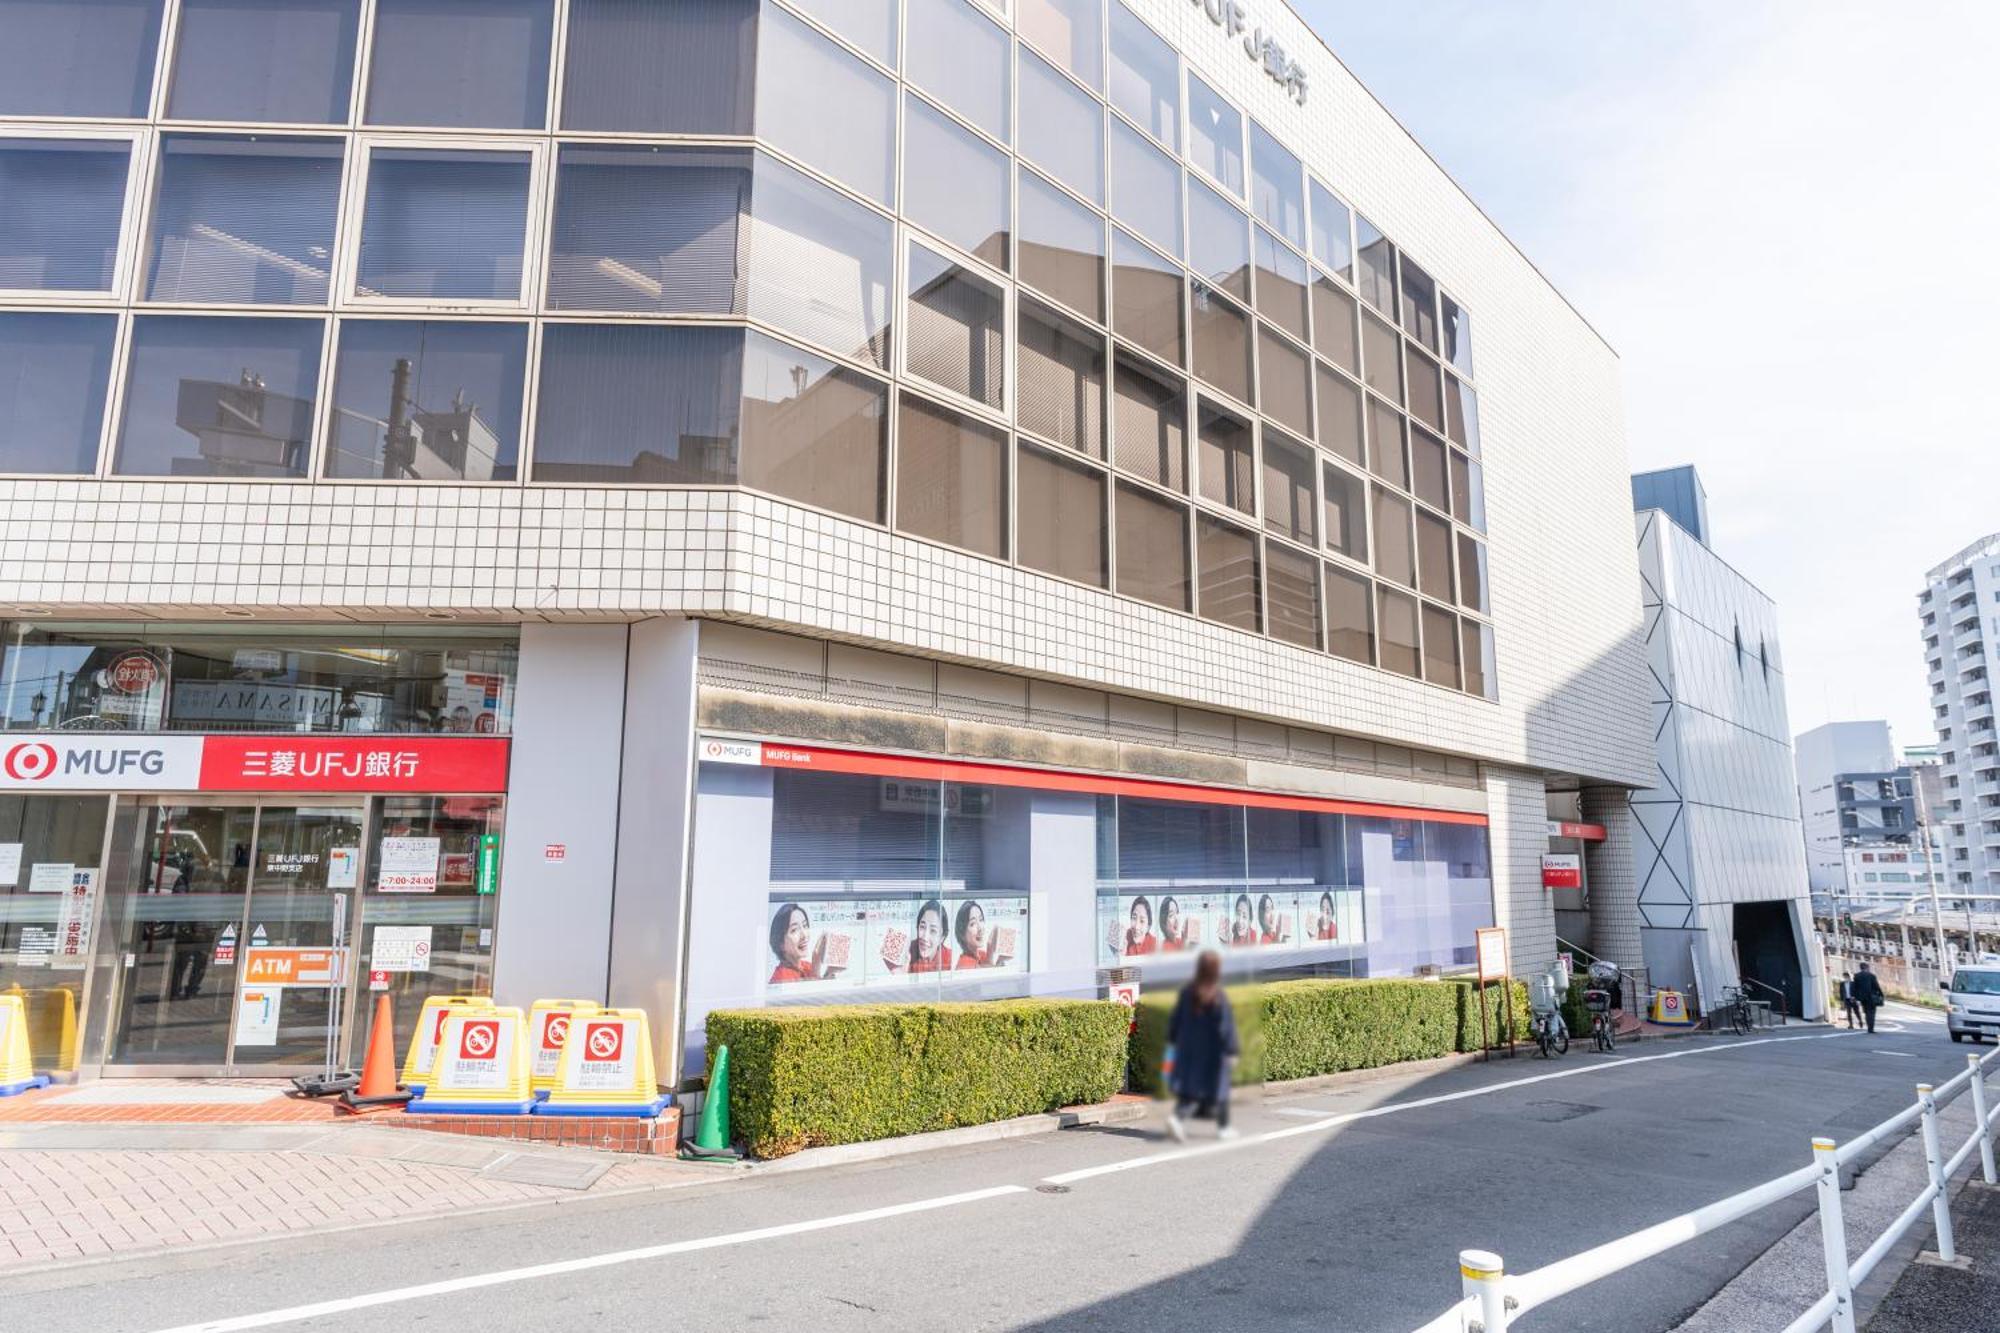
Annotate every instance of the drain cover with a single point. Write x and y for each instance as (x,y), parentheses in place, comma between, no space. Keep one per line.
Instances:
(1051,1189)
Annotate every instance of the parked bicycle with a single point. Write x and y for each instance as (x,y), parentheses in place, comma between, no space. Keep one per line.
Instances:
(1602,1034)
(1545,1024)
(1734,1011)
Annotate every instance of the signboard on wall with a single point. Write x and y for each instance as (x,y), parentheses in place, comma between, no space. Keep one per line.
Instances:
(117,761)
(1562,871)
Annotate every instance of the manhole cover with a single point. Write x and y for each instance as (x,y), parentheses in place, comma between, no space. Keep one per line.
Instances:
(1051,1189)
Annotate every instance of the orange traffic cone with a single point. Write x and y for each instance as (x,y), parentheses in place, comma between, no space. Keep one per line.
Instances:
(379,1089)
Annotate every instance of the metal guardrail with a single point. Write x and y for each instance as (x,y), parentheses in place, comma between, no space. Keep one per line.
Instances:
(1494,1298)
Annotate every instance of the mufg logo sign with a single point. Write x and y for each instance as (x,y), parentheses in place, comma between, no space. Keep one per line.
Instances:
(1233,17)
(100,763)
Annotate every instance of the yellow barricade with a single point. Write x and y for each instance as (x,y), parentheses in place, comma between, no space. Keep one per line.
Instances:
(607,1068)
(548,1025)
(481,1066)
(430,1031)
(17,1067)
(1669,1008)
(51,1013)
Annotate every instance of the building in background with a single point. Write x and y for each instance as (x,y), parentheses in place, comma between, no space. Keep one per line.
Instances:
(1959,611)
(1852,794)
(887,501)
(1720,856)
(1676,492)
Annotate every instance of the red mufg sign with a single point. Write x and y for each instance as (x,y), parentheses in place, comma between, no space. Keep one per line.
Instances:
(353,763)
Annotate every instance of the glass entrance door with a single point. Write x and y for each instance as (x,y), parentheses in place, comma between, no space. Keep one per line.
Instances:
(226,927)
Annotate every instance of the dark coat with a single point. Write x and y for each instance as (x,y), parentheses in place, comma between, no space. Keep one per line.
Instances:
(1201,1039)
(1866,990)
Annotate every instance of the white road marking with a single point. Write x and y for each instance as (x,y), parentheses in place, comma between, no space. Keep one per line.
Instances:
(1900,1055)
(293,1314)
(1329,1121)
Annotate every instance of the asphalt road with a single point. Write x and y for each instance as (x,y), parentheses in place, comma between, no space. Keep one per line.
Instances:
(1349,1225)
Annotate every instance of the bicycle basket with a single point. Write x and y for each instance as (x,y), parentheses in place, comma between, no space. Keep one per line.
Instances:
(1597,1001)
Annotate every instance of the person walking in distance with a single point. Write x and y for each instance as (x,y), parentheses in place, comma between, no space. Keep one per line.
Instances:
(1848,1002)
(1202,1043)
(1867,993)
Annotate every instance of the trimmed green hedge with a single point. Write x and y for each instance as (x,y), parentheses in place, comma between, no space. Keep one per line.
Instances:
(806,1077)
(1297,1029)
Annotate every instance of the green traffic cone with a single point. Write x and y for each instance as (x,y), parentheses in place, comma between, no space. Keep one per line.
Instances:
(712,1138)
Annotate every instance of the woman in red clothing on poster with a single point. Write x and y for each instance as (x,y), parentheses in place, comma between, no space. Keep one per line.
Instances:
(1269,929)
(1242,930)
(1326,926)
(1139,937)
(791,943)
(975,941)
(928,951)
(1173,926)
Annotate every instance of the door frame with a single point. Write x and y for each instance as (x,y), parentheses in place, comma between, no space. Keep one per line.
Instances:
(256,803)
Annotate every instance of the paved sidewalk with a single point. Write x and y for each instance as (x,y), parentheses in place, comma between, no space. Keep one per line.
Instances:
(1931,1299)
(71,1191)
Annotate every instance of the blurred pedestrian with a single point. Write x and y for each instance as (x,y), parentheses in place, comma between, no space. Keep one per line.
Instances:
(1867,993)
(1201,1037)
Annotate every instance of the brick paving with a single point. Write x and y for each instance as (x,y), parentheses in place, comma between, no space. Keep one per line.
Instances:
(62,1104)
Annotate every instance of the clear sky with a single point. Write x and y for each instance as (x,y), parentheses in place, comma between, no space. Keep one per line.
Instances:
(1782,213)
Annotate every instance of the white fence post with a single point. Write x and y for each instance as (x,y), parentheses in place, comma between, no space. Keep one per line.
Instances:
(1833,1236)
(1481,1273)
(1947,1248)
(1979,1113)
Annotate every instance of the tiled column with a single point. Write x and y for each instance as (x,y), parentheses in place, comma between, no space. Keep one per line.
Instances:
(1614,891)
(1517,805)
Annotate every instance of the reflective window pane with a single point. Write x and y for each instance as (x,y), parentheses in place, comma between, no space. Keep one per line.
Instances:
(219,397)
(1215,135)
(1397,615)
(1419,305)
(1332,232)
(1061,369)
(1440,646)
(1218,241)
(800,74)
(1461,414)
(957,326)
(869,24)
(1291,583)
(955,184)
(1395,549)
(1152,548)
(1062,128)
(1281,285)
(648,229)
(1288,489)
(61,202)
(1388,441)
(1145,76)
(813,431)
(1350,616)
(1375,266)
(1220,335)
(1070,32)
(453,63)
(1468,500)
(1227,458)
(1061,247)
(951,478)
(1149,424)
(959,56)
(244,221)
(638,403)
(1476,644)
(1457,334)
(444,224)
(1145,188)
(1426,389)
(1284,382)
(78,57)
(1345,511)
(1146,299)
(648,68)
(820,264)
(427,400)
(284,61)
(1334,333)
(1427,469)
(54,372)
(1228,574)
(1339,415)
(1382,358)
(1061,517)
(1277,186)
(1434,555)
(1472,573)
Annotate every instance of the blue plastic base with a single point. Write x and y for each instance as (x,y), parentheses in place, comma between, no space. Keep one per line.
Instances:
(430,1107)
(635,1110)
(38,1081)
(414,1089)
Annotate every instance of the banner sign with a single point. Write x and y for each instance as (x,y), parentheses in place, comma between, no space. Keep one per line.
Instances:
(1562,871)
(114,761)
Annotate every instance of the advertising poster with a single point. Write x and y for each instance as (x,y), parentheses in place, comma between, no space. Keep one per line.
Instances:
(1134,928)
(72,952)
(409,865)
(840,943)
(472,701)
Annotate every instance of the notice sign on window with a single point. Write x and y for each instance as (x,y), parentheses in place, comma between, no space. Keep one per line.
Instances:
(10,864)
(409,865)
(401,949)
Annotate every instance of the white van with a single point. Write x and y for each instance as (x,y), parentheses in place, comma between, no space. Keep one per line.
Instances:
(1972,1004)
